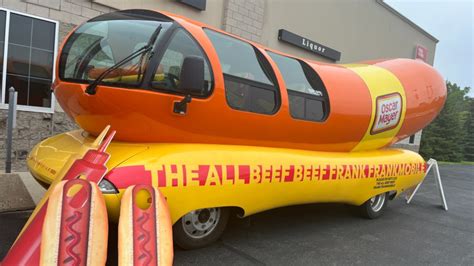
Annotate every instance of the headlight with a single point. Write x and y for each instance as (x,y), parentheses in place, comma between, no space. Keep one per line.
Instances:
(107,188)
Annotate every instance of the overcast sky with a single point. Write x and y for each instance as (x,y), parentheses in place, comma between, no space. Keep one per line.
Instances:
(452,23)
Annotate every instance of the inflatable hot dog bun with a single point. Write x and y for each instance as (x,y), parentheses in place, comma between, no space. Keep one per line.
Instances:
(145,229)
(75,228)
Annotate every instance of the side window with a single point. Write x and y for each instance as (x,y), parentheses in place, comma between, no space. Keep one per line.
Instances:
(306,92)
(248,77)
(169,70)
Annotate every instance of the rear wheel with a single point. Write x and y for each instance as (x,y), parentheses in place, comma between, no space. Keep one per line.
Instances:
(374,207)
(200,228)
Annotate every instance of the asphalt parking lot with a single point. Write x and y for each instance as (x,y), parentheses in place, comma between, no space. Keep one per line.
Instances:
(328,234)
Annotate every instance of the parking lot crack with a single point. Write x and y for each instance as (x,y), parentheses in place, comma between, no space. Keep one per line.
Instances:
(241,254)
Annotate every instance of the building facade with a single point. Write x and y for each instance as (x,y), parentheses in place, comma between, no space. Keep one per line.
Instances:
(328,31)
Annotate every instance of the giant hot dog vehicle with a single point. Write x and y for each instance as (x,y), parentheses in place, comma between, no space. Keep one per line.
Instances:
(219,123)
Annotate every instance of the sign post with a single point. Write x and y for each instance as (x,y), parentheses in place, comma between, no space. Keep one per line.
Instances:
(11,123)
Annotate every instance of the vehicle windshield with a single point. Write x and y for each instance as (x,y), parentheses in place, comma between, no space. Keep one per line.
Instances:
(100,44)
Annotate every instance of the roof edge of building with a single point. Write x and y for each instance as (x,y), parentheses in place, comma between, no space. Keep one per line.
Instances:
(407,20)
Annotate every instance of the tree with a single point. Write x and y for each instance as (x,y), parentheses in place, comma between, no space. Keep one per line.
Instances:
(444,139)
(469,129)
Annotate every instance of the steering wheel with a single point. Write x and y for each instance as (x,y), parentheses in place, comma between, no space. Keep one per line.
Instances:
(173,79)
(238,95)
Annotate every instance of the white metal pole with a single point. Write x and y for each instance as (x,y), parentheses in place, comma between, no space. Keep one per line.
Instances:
(440,186)
(432,162)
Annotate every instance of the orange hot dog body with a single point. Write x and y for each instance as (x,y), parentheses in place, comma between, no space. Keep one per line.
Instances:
(147,116)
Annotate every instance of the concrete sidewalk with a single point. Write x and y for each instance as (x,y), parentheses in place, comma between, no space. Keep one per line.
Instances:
(19,191)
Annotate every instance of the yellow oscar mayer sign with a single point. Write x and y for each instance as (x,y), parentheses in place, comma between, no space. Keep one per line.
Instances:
(388,105)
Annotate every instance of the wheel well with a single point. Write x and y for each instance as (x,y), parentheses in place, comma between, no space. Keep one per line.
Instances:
(392,194)
(238,211)
(234,210)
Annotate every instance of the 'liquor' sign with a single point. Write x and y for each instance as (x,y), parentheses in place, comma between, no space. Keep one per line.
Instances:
(312,46)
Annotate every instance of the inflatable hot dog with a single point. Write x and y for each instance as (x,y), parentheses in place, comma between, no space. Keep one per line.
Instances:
(145,229)
(247,95)
(76,224)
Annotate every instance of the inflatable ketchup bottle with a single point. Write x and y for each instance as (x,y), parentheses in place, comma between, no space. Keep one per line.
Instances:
(27,247)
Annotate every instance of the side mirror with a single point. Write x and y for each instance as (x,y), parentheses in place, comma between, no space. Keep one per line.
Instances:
(191,81)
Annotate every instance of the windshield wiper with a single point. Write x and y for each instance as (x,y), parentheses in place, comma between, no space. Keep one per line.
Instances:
(92,88)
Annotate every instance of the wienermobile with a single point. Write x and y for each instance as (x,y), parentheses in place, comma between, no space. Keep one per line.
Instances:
(217,123)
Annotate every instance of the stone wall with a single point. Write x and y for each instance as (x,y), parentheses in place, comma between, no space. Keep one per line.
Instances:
(67,11)
(245,18)
(30,129)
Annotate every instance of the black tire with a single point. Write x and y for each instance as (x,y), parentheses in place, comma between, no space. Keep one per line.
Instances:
(182,232)
(374,207)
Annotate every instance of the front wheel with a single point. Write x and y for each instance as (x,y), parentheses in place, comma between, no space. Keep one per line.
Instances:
(200,228)
(374,207)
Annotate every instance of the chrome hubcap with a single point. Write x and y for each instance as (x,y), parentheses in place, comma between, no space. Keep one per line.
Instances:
(376,203)
(200,223)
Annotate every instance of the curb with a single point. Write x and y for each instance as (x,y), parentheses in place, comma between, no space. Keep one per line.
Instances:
(19,191)
(13,194)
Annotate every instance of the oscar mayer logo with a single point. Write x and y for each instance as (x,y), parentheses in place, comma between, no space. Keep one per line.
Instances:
(388,112)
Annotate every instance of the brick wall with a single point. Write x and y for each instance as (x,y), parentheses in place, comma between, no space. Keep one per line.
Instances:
(33,127)
(245,18)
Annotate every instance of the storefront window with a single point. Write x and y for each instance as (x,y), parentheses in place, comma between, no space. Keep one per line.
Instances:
(31,45)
